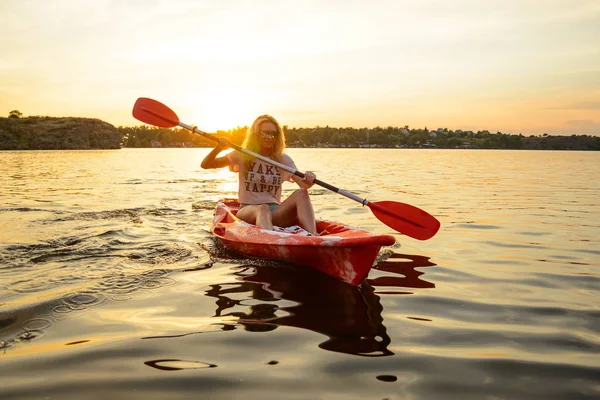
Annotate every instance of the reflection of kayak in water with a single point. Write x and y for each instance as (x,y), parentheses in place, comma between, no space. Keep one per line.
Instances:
(343,252)
(262,298)
(350,316)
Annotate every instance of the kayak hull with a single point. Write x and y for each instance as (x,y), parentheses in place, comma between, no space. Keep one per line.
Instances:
(346,253)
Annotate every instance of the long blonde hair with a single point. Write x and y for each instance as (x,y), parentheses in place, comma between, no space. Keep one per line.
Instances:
(252,139)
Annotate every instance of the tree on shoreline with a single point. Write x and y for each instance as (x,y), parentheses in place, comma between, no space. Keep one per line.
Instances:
(15,114)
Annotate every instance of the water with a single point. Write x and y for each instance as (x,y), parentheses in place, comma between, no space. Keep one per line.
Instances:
(111,285)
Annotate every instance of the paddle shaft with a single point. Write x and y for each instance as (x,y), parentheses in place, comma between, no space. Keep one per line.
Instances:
(401,217)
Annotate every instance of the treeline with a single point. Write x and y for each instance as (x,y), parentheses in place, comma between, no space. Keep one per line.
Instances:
(390,137)
(145,136)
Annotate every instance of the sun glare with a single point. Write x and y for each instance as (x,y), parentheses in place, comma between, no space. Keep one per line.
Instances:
(224,109)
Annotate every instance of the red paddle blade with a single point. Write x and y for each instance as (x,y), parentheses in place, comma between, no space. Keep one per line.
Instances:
(155,113)
(406,219)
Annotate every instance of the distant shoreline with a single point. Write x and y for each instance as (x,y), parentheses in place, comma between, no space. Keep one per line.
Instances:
(363,148)
(49,133)
(390,137)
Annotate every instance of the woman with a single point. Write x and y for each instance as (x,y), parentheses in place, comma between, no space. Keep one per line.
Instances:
(259,190)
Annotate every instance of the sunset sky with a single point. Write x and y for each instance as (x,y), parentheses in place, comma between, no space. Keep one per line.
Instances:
(515,66)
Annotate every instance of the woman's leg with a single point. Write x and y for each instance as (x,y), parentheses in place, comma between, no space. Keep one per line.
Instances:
(259,215)
(296,209)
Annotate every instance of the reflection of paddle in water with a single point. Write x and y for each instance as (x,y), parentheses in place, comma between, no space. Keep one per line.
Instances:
(406,267)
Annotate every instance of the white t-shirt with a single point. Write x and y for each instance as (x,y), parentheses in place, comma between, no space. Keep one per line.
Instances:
(259,182)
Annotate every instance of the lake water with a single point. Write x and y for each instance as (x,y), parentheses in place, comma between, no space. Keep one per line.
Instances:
(112,287)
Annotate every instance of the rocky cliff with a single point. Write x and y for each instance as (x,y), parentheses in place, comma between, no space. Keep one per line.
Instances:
(48,133)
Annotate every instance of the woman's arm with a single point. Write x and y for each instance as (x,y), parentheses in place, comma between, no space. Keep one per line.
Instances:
(211,160)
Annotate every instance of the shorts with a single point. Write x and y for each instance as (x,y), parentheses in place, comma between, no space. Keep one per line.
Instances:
(271,206)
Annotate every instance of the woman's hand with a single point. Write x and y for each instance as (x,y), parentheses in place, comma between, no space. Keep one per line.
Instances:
(223,144)
(211,160)
(309,178)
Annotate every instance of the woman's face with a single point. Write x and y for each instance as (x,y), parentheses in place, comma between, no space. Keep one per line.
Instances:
(268,135)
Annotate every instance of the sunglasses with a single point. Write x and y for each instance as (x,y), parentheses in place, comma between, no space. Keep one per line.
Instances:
(269,134)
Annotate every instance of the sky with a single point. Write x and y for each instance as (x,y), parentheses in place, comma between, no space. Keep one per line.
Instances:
(514,66)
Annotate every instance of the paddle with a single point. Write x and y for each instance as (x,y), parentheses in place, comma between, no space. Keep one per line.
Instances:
(404,218)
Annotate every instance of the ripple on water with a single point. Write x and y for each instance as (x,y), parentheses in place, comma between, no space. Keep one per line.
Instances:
(28,209)
(37,324)
(178,365)
(472,225)
(78,301)
(516,245)
(102,215)
(159,212)
(121,287)
(204,205)
(27,287)
(157,283)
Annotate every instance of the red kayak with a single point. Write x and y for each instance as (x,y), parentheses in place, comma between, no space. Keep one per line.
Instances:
(344,252)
